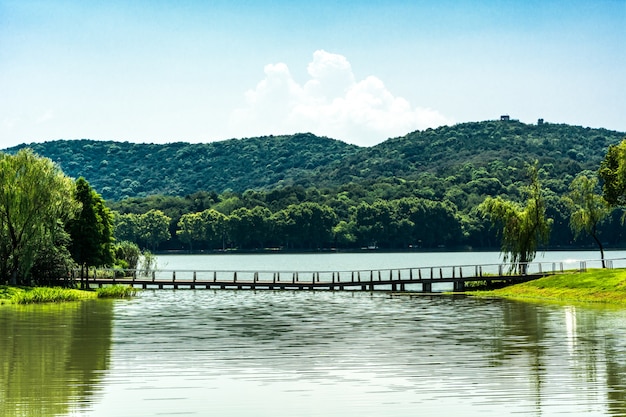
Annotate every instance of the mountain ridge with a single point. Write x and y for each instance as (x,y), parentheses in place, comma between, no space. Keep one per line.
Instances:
(488,149)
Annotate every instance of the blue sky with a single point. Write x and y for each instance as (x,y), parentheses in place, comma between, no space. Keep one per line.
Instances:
(199,71)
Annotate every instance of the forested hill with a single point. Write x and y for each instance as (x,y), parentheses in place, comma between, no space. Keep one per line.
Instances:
(122,169)
(487,147)
(489,154)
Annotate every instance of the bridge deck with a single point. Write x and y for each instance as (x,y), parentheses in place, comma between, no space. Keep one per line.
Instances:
(368,280)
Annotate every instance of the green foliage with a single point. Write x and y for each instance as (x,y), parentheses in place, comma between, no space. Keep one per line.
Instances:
(127,254)
(49,295)
(588,208)
(478,158)
(35,199)
(437,175)
(92,229)
(121,169)
(524,227)
(613,173)
(116,291)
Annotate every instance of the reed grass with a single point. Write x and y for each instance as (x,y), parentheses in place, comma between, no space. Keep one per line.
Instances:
(116,291)
(36,295)
(48,295)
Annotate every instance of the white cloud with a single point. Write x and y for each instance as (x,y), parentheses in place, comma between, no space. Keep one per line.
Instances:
(331,103)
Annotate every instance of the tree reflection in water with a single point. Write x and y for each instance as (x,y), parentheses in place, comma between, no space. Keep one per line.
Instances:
(52,357)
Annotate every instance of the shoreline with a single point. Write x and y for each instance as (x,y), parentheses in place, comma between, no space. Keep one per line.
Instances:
(14,295)
(595,286)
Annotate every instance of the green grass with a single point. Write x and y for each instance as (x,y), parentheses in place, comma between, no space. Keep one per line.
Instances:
(33,295)
(27,295)
(116,291)
(606,286)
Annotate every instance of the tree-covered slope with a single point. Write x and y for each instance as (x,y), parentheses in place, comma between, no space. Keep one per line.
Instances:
(481,158)
(491,145)
(121,169)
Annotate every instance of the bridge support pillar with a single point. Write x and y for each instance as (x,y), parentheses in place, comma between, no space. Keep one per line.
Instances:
(427,287)
(459,286)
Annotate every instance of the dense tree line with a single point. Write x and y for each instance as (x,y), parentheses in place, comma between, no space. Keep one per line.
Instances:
(391,214)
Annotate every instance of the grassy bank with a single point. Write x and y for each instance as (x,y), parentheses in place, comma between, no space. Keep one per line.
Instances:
(594,286)
(32,295)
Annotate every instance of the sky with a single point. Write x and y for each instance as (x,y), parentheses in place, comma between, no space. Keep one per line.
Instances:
(162,71)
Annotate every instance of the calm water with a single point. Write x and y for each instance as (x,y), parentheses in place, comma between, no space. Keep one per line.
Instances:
(310,353)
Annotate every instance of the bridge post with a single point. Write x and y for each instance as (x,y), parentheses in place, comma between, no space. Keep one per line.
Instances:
(459,286)
(352,277)
(153,276)
(427,287)
(235,276)
(214,276)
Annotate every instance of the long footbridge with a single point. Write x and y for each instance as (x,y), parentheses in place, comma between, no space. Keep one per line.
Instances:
(420,279)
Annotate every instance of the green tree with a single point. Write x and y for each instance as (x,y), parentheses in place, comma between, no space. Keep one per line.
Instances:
(250,228)
(126,227)
(215,228)
(310,224)
(524,226)
(127,254)
(154,228)
(35,198)
(191,229)
(613,174)
(92,229)
(588,209)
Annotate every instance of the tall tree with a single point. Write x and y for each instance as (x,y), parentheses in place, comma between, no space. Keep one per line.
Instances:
(524,226)
(35,197)
(92,229)
(613,174)
(588,209)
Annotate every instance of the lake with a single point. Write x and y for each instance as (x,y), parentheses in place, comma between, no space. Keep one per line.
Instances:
(312,353)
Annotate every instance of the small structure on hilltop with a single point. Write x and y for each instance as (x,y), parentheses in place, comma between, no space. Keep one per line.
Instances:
(505,118)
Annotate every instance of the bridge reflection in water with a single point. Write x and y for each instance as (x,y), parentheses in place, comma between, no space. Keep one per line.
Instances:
(402,279)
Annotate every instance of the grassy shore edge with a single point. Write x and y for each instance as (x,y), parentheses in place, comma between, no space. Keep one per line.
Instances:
(605,286)
(37,295)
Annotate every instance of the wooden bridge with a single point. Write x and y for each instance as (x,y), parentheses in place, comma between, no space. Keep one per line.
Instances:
(402,279)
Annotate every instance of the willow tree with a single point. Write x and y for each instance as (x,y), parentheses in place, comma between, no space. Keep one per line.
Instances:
(588,209)
(524,226)
(36,200)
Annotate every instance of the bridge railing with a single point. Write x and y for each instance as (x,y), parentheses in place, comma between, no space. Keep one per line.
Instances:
(482,271)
